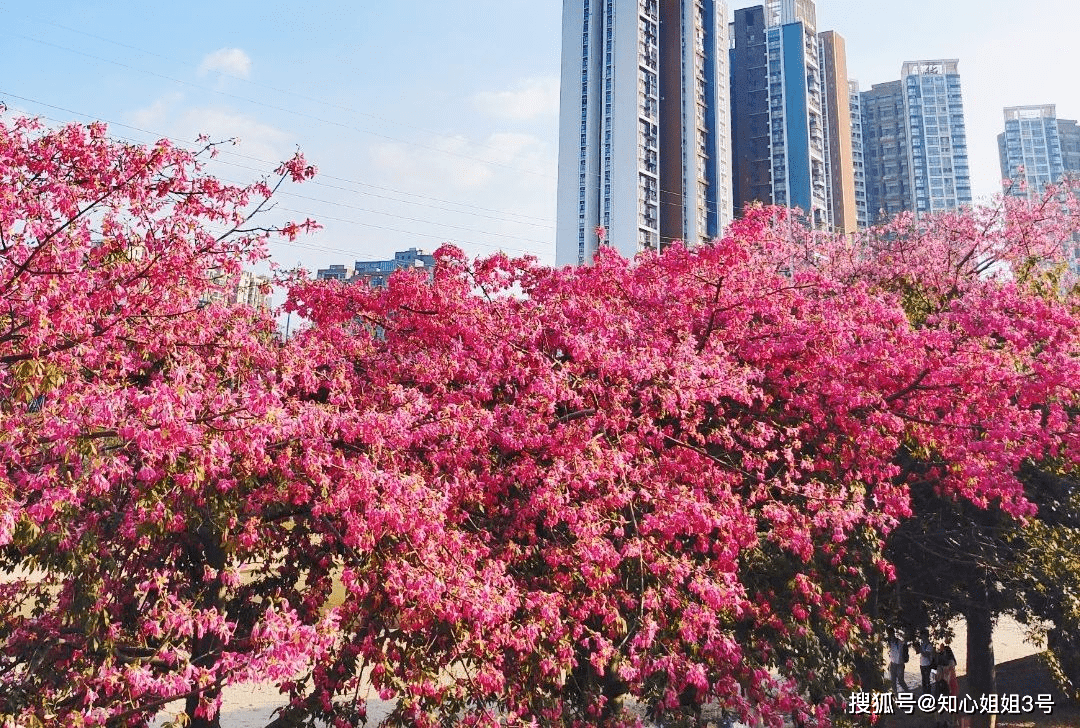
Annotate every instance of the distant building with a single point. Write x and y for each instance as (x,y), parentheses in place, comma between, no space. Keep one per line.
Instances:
(1038,149)
(243,289)
(1069,133)
(915,141)
(643,125)
(839,135)
(942,178)
(377,272)
(333,273)
(249,289)
(791,114)
(1031,149)
(777,121)
(857,161)
(885,151)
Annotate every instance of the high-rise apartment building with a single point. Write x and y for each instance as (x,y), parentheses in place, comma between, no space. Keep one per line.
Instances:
(791,118)
(939,168)
(839,143)
(1032,149)
(857,161)
(885,151)
(915,141)
(644,145)
(778,127)
(1039,149)
(1069,134)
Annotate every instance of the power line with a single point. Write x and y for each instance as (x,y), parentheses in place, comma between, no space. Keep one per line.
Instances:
(414,219)
(342,107)
(317,182)
(410,232)
(596,175)
(280,108)
(319,216)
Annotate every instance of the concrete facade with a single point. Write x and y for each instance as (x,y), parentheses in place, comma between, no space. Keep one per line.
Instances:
(836,102)
(915,142)
(885,151)
(643,127)
(858,161)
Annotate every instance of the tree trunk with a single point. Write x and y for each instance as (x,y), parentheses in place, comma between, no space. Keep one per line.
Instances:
(208,550)
(981,673)
(868,667)
(871,674)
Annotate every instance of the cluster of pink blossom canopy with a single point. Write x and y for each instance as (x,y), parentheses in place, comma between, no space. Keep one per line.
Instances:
(504,495)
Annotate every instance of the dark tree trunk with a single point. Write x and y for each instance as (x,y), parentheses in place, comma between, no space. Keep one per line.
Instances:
(208,550)
(981,673)
(868,667)
(871,674)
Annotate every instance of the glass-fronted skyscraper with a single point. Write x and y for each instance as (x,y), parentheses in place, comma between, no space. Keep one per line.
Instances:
(915,141)
(644,145)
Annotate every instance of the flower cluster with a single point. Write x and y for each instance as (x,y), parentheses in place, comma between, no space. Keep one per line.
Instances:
(506,495)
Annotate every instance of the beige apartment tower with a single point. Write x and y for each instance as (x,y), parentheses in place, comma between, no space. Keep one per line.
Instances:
(836,101)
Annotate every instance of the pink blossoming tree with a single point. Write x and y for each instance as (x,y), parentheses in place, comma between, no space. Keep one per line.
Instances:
(137,417)
(668,479)
(507,495)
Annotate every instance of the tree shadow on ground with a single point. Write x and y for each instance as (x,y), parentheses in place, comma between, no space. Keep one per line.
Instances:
(1026,676)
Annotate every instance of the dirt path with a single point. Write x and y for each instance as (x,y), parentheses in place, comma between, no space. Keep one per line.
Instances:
(250,706)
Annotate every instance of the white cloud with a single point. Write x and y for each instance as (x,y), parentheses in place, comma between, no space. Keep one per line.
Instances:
(229,61)
(504,171)
(403,162)
(256,139)
(530,99)
(158,113)
(457,163)
(168,116)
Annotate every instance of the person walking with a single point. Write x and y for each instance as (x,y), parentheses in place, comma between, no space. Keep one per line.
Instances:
(896,648)
(926,658)
(945,662)
(948,659)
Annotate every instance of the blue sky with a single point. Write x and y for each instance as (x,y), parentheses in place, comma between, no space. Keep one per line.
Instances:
(438,121)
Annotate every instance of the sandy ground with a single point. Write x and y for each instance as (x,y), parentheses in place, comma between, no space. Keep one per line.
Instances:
(250,706)
(1009,644)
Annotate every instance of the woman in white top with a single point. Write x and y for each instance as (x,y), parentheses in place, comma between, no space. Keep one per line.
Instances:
(896,660)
